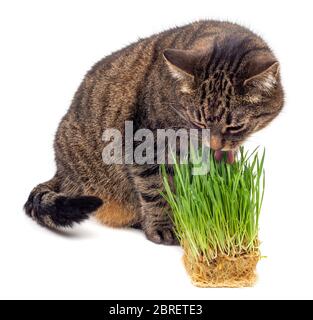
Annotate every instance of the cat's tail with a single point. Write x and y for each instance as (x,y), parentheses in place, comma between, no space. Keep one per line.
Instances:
(57,210)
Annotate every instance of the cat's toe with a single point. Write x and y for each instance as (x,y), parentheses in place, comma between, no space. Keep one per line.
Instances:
(162,235)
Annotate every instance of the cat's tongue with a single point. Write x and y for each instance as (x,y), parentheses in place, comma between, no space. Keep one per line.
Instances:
(230,157)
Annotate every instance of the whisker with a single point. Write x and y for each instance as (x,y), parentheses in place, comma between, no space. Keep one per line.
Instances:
(199,125)
(179,113)
(196,125)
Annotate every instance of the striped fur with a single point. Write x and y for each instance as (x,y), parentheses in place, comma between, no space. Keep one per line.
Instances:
(207,74)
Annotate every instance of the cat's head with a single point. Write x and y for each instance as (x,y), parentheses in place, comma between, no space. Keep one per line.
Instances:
(232,87)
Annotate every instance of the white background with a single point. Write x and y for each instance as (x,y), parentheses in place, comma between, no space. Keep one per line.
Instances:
(45,49)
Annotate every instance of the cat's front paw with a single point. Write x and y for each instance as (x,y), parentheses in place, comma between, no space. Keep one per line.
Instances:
(161,234)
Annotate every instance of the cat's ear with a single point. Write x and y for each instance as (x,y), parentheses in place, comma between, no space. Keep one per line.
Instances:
(263,75)
(182,62)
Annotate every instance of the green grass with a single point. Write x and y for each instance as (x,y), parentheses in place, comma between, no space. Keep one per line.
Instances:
(218,213)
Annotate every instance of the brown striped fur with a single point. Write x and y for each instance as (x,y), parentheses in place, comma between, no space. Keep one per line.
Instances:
(219,76)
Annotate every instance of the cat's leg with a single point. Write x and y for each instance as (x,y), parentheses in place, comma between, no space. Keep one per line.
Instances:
(59,203)
(155,212)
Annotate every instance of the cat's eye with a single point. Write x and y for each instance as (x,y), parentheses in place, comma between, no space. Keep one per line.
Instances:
(235,129)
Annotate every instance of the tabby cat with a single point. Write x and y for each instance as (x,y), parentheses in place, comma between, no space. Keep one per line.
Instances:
(207,74)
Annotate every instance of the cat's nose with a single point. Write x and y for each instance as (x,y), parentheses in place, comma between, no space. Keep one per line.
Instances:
(216,142)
